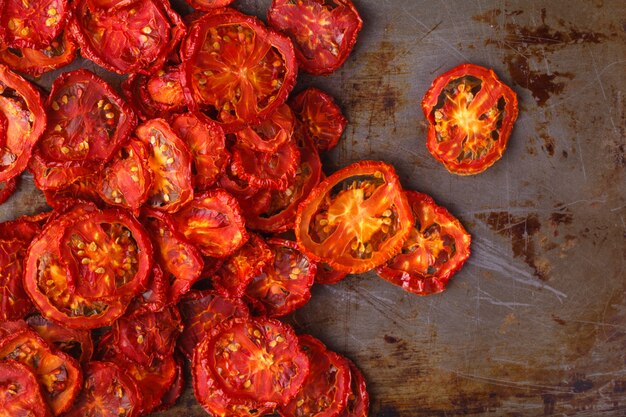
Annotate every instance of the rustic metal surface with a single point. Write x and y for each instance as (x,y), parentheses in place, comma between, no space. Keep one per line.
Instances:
(535,324)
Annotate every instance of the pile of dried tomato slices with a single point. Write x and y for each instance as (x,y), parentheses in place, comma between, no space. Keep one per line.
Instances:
(190,210)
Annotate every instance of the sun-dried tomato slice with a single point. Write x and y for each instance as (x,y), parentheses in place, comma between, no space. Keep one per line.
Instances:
(326,389)
(14,302)
(436,249)
(20,394)
(358,404)
(76,343)
(126,36)
(252,200)
(208,5)
(53,176)
(155,297)
(169,398)
(327,275)
(23,115)
(127,179)
(235,69)
(170,161)
(285,285)
(81,189)
(58,374)
(207,143)
(158,95)
(181,261)
(271,133)
(24,228)
(213,222)
(108,391)
(202,311)
(32,23)
(320,117)
(7,188)
(36,61)
(323,32)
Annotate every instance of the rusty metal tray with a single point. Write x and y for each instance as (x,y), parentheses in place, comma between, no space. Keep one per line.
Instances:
(535,324)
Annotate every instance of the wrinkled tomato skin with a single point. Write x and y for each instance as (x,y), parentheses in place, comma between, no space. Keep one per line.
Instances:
(81,189)
(7,188)
(327,275)
(14,302)
(168,400)
(36,62)
(271,133)
(22,110)
(208,5)
(323,32)
(356,219)
(32,23)
(219,89)
(20,394)
(436,249)
(358,404)
(471,144)
(76,343)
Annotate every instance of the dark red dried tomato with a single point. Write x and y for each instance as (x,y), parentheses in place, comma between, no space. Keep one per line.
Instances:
(81,189)
(327,275)
(20,394)
(158,95)
(24,228)
(14,302)
(323,32)
(155,297)
(271,133)
(76,343)
(32,23)
(358,404)
(252,200)
(36,61)
(7,188)
(208,5)
(169,398)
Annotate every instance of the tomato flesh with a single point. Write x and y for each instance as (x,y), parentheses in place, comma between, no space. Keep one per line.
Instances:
(76,343)
(32,23)
(36,61)
(20,395)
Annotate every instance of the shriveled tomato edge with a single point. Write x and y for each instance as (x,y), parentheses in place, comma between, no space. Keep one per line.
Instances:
(357,380)
(347,44)
(359,168)
(134,89)
(415,282)
(230,16)
(328,276)
(171,396)
(24,66)
(429,102)
(83,337)
(208,5)
(24,43)
(35,105)
(10,186)
(35,393)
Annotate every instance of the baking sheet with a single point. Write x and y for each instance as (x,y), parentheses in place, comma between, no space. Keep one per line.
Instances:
(535,323)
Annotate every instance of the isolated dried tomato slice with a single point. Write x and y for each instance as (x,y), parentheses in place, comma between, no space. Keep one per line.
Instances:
(359,400)
(181,261)
(36,61)
(208,5)
(213,222)
(471,115)
(320,117)
(202,311)
(14,302)
(108,391)
(170,161)
(271,133)
(7,188)
(436,249)
(323,32)
(207,143)
(126,36)
(20,394)
(158,95)
(285,285)
(356,219)
(58,374)
(76,343)
(242,266)
(23,115)
(326,389)
(32,23)
(87,120)
(235,70)
(127,179)
(327,275)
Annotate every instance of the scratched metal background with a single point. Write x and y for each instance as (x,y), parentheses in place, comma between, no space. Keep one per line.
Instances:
(535,324)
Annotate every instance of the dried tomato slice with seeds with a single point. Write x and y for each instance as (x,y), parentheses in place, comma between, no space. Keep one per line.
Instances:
(436,249)
(323,32)
(37,61)
(108,391)
(326,389)
(356,219)
(213,222)
(58,374)
(235,70)
(23,119)
(126,36)
(170,161)
(32,23)
(14,302)
(285,285)
(20,394)
(7,188)
(76,343)
(358,404)
(471,115)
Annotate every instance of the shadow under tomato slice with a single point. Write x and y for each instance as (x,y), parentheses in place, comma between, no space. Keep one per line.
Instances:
(284,285)
(328,379)
(76,343)
(37,61)
(58,374)
(436,249)
(323,32)
(32,23)
(14,302)
(20,394)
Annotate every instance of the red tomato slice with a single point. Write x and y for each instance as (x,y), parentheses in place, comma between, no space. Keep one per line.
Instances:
(208,5)
(213,222)
(218,49)
(170,161)
(471,115)
(358,404)
(7,188)
(436,249)
(20,394)
(252,200)
(80,190)
(323,32)
(37,61)
(271,133)
(207,143)
(76,343)
(327,387)
(32,23)
(356,219)
(285,285)
(155,297)
(202,311)
(58,374)
(24,228)
(14,302)
(175,389)
(24,119)
(126,36)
